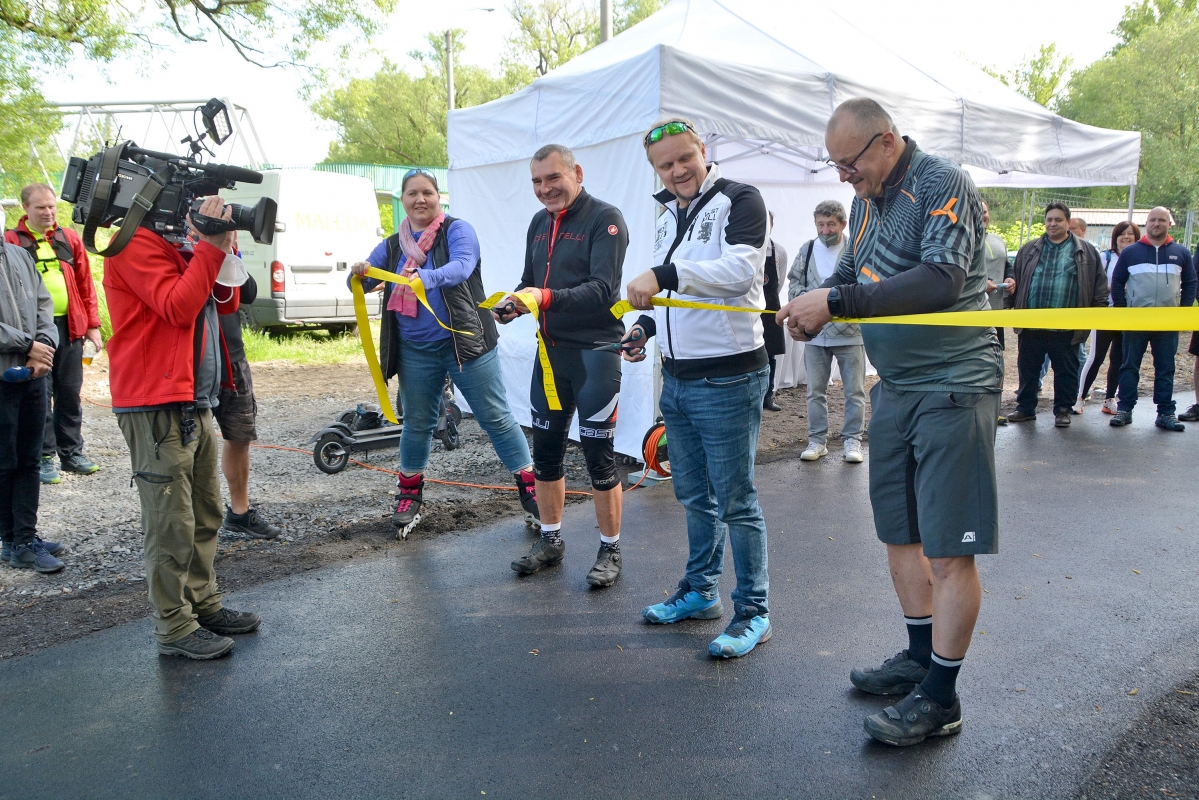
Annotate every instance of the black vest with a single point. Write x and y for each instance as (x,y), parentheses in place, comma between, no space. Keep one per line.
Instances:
(461,301)
(58,240)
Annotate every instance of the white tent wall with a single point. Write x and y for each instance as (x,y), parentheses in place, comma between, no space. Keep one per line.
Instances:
(498,201)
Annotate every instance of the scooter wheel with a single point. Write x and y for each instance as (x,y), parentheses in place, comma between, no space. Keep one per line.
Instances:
(451,440)
(454,412)
(330,454)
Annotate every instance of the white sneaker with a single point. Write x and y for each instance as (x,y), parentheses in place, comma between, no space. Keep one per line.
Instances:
(1078,407)
(814,451)
(1109,406)
(853,451)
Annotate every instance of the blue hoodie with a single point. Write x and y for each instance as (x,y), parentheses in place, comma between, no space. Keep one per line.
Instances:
(1149,276)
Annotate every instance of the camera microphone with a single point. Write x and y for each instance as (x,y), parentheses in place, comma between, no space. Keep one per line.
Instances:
(224,172)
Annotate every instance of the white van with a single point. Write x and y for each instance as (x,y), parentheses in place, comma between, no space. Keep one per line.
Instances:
(326,222)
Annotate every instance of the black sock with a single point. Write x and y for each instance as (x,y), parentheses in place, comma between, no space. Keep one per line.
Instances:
(940,685)
(920,639)
(553,537)
(610,546)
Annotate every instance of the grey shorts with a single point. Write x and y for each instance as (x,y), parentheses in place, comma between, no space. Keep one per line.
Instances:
(932,470)
(237,412)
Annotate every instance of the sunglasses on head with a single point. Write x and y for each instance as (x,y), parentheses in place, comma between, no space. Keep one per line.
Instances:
(669,129)
(418,171)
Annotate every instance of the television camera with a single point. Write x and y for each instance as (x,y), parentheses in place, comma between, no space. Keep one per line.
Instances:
(131,187)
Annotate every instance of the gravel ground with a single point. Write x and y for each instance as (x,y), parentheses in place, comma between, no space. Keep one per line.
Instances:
(325,518)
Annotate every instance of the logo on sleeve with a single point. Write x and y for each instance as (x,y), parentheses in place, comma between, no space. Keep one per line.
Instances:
(968,537)
(613,230)
(947,211)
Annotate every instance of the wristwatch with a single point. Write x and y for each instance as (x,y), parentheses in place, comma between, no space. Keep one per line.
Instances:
(834,302)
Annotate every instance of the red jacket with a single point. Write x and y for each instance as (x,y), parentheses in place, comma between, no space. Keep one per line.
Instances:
(82,310)
(155,294)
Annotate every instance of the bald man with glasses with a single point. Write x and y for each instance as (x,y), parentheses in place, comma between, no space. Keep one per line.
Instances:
(916,245)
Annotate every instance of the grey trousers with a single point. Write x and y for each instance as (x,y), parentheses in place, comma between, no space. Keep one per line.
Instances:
(851,359)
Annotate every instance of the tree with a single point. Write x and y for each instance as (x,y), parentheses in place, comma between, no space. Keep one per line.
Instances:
(629,12)
(282,31)
(1151,85)
(1039,78)
(1148,14)
(393,117)
(551,32)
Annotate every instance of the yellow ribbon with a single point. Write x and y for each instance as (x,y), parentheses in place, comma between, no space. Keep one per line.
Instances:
(547,371)
(1078,319)
(364,329)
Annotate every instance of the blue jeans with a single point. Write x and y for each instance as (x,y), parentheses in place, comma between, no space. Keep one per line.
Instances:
(712,437)
(423,367)
(1165,347)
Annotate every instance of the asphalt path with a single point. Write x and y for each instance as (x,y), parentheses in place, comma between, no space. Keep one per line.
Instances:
(437,672)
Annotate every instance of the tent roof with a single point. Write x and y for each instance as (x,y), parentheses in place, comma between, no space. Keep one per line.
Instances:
(760,82)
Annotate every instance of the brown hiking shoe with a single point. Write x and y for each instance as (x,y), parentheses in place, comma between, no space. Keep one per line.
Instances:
(200,645)
(226,622)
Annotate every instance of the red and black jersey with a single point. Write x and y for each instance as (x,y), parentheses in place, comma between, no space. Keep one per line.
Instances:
(577,256)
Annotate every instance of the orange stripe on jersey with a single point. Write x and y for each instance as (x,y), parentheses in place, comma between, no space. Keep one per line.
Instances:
(947,211)
(862,230)
(870,275)
(911,196)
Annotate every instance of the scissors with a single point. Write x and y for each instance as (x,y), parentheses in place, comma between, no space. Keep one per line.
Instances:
(616,347)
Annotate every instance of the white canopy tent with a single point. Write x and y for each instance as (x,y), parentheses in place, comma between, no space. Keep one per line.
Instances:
(760,81)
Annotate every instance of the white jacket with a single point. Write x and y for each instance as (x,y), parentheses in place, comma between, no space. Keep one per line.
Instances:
(718,257)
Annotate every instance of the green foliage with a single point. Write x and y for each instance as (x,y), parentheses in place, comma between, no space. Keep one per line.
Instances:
(1151,85)
(629,12)
(1011,233)
(551,32)
(387,218)
(1039,78)
(306,346)
(262,32)
(1148,14)
(395,118)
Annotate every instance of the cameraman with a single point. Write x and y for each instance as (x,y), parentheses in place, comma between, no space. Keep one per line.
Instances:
(166,360)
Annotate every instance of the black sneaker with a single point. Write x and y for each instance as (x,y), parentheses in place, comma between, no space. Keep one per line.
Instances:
(1061,420)
(768,403)
(1020,416)
(249,523)
(1121,419)
(541,556)
(526,484)
(899,674)
(226,622)
(1191,414)
(53,548)
(913,720)
(200,645)
(607,567)
(410,493)
(1169,422)
(80,464)
(35,557)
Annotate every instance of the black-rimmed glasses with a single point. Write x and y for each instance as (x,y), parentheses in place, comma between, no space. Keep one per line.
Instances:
(849,168)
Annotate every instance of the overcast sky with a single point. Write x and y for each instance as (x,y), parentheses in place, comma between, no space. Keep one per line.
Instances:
(994,34)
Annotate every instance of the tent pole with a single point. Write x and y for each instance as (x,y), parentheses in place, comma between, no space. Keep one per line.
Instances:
(1023,211)
(605,20)
(1132,197)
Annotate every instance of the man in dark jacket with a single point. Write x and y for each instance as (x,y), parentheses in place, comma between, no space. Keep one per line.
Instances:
(1155,272)
(1058,270)
(28,338)
(574,256)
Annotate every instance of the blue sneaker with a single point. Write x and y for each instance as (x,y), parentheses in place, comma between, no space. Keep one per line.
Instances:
(748,629)
(53,548)
(686,603)
(34,556)
(47,472)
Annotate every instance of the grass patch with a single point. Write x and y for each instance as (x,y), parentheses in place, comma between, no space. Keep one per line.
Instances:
(306,347)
